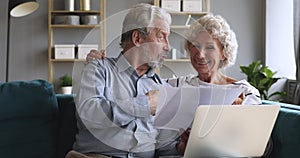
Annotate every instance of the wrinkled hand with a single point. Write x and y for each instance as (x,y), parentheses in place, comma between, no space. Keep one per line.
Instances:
(239,100)
(184,136)
(95,54)
(152,99)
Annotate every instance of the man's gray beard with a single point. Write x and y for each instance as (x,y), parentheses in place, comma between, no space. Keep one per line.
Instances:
(155,64)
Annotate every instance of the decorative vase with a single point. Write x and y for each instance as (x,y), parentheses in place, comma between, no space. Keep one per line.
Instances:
(66,90)
(69,5)
(85,5)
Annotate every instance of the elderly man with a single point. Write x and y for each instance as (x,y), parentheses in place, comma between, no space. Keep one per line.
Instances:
(117,97)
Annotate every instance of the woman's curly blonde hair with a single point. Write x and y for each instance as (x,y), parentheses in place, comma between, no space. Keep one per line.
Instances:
(219,29)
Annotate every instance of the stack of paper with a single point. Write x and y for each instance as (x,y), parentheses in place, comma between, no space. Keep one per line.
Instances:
(177,105)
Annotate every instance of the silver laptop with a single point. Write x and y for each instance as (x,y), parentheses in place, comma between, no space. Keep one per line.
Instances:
(231,130)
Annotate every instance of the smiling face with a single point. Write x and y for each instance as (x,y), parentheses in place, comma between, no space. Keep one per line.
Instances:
(205,54)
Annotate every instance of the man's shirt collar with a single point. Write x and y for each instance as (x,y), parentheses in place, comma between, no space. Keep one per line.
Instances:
(123,65)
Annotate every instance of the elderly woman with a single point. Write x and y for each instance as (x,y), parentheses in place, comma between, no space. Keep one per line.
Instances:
(212,47)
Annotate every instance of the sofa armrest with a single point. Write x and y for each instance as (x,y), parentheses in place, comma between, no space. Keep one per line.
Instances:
(282,105)
(67,124)
(286,132)
(28,118)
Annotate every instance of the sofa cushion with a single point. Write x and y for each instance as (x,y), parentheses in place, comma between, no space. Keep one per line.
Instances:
(28,118)
(67,124)
(286,134)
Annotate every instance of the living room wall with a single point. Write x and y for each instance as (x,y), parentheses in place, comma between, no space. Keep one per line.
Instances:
(29,37)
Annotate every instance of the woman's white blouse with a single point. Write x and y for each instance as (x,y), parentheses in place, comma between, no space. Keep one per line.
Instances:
(252,95)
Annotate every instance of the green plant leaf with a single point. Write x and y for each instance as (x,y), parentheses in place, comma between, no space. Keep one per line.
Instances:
(255,66)
(269,73)
(244,70)
(261,77)
(277,93)
(65,80)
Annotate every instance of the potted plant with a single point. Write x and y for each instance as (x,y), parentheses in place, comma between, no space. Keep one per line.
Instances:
(262,78)
(66,84)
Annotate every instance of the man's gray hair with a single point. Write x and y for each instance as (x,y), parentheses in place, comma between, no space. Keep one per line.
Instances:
(141,16)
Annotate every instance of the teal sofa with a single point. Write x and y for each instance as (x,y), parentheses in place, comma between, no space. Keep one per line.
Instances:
(286,132)
(35,122)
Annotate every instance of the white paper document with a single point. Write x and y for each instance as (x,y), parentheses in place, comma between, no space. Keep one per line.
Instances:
(177,105)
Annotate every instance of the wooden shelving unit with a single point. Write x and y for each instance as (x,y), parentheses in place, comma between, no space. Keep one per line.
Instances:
(52,12)
(186,24)
(205,8)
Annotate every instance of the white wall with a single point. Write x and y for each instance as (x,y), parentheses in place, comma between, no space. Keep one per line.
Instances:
(29,42)
(246,18)
(3,30)
(279,41)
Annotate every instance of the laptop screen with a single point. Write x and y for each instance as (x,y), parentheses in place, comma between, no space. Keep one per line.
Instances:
(234,131)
